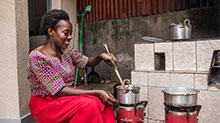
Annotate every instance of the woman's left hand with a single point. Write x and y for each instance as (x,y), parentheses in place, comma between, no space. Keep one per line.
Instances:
(109,59)
(106,97)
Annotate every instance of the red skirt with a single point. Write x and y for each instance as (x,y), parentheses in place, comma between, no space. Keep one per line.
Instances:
(70,109)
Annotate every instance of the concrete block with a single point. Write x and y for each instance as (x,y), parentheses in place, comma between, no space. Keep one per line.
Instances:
(201,81)
(139,78)
(167,49)
(210,110)
(205,51)
(144,94)
(159,79)
(153,121)
(184,56)
(144,57)
(182,80)
(146,114)
(156,106)
(213,88)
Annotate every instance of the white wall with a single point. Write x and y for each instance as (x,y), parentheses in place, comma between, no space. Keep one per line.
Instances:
(14,49)
(9,100)
(22,43)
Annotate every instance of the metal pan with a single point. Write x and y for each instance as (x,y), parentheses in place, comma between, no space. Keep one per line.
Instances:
(180,97)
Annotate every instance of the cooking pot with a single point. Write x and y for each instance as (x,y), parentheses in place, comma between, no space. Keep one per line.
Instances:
(180,97)
(129,95)
(180,31)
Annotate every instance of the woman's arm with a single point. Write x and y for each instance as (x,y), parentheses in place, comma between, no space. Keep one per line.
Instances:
(71,91)
(105,97)
(108,58)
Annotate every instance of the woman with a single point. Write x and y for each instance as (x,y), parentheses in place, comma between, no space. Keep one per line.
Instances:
(51,72)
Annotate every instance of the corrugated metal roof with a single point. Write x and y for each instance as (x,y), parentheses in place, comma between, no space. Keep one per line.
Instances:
(116,9)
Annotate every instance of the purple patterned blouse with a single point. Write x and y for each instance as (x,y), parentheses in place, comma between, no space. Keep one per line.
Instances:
(47,75)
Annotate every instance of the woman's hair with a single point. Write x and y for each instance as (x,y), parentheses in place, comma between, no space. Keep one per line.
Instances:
(51,18)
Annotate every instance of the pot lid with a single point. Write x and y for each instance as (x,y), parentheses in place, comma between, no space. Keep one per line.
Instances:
(128,87)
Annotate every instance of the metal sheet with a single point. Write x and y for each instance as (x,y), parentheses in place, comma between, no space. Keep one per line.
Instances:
(115,9)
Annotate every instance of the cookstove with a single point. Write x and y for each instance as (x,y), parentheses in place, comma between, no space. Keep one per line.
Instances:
(131,113)
(181,114)
(181,105)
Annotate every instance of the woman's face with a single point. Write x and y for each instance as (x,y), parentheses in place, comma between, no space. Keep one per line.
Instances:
(62,35)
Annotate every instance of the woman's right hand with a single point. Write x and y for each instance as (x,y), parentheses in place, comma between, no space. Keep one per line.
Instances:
(109,59)
(106,97)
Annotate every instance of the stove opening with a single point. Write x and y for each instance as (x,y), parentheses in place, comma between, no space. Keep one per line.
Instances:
(214,71)
(159,62)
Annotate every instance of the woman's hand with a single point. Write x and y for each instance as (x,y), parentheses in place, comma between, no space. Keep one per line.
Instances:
(109,59)
(106,97)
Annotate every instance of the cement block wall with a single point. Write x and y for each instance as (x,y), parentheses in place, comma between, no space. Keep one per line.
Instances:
(191,61)
(121,35)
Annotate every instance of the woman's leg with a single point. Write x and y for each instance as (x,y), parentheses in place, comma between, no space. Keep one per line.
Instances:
(106,111)
(71,109)
(108,115)
(89,112)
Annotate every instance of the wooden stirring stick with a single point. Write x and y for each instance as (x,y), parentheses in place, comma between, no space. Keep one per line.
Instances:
(116,69)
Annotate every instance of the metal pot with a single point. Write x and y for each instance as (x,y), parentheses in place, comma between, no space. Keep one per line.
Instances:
(128,96)
(176,31)
(180,31)
(180,97)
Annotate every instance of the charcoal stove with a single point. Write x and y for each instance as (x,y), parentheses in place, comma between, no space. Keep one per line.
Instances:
(181,114)
(131,113)
(130,108)
(181,105)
